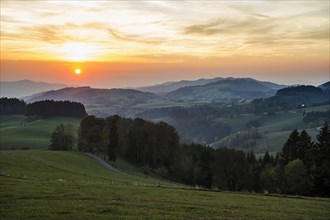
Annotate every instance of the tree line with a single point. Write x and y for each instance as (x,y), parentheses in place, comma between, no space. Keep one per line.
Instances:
(302,168)
(12,106)
(45,109)
(51,108)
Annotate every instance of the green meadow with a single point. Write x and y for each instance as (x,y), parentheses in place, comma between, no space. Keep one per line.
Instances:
(41,184)
(16,133)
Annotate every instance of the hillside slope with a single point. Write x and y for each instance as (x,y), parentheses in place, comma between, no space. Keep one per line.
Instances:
(88,95)
(301,95)
(229,88)
(325,87)
(101,102)
(17,133)
(171,86)
(71,185)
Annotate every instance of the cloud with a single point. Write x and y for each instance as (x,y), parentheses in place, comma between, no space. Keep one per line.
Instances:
(133,38)
(53,34)
(262,33)
(200,29)
(251,25)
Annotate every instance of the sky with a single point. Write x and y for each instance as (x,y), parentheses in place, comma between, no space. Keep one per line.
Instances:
(136,43)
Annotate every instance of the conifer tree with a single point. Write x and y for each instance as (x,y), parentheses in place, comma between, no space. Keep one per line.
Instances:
(290,148)
(113,139)
(305,147)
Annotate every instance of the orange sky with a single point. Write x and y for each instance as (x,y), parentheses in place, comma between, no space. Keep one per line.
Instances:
(134,43)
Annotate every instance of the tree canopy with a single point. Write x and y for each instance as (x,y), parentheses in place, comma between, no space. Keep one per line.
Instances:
(50,108)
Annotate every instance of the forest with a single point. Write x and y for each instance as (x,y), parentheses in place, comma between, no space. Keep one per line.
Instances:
(44,109)
(12,106)
(301,168)
(50,108)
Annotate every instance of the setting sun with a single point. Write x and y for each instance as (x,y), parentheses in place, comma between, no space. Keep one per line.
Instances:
(77,71)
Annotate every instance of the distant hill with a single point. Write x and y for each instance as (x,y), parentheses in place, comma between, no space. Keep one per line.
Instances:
(171,86)
(325,87)
(299,95)
(24,88)
(227,88)
(88,95)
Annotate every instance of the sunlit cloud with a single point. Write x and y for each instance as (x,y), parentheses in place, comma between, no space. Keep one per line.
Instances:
(182,27)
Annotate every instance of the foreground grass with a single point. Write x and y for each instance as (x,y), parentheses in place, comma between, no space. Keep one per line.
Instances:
(33,135)
(68,185)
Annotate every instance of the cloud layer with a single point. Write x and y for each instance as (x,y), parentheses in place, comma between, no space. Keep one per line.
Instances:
(119,30)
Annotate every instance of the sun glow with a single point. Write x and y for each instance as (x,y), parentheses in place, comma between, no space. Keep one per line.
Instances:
(77,71)
(77,51)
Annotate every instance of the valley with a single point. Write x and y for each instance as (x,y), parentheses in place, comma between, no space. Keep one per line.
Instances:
(209,111)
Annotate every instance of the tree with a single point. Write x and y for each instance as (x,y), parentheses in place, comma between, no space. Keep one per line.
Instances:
(255,170)
(321,173)
(204,168)
(305,147)
(266,159)
(68,132)
(62,138)
(290,148)
(322,147)
(231,170)
(298,180)
(268,178)
(113,145)
(91,135)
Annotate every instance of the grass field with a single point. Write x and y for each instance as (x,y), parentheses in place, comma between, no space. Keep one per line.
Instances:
(155,105)
(68,185)
(321,108)
(33,135)
(276,128)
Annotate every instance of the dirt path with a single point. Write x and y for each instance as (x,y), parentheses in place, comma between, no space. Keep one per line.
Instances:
(105,164)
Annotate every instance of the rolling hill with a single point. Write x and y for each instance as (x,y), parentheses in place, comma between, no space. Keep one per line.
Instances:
(299,95)
(325,87)
(101,102)
(88,95)
(22,88)
(228,88)
(171,86)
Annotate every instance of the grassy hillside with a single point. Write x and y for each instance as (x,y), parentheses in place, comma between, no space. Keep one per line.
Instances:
(16,133)
(69,185)
(275,141)
(275,128)
(320,108)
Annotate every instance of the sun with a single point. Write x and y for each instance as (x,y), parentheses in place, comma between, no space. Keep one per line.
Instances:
(77,71)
